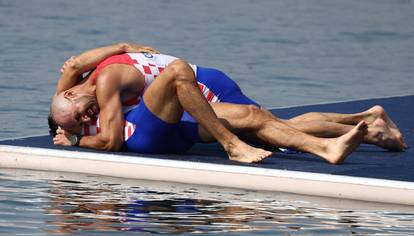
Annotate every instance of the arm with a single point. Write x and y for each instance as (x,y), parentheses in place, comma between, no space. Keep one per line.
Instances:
(111,136)
(90,59)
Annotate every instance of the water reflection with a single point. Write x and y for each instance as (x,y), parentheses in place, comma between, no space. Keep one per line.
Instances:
(74,204)
(76,207)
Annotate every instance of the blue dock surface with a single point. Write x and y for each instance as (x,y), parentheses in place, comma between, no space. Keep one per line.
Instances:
(366,161)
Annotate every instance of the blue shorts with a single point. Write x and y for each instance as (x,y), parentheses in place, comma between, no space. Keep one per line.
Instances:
(153,135)
(223,86)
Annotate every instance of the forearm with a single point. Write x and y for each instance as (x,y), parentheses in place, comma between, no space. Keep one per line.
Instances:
(100,143)
(90,59)
(85,62)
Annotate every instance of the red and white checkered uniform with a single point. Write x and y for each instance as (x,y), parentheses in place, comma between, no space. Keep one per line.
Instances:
(150,65)
(93,128)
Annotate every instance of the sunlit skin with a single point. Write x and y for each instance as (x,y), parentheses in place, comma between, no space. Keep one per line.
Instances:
(111,135)
(345,131)
(79,106)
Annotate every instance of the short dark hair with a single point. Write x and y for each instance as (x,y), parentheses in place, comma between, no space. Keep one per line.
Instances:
(53,126)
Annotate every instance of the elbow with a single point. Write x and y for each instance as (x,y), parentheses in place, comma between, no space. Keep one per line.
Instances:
(112,144)
(112,147)
(115,147)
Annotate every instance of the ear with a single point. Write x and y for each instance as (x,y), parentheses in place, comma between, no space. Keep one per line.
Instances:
(69,94)
(85,118)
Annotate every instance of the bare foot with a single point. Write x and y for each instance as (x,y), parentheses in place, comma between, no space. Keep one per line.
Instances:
(242,152)
(339,148)
(382,135)
(379,112)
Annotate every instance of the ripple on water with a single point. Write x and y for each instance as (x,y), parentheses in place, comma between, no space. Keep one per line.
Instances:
(98,205)
(280,52)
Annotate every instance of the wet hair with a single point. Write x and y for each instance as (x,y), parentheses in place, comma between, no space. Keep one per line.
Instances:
(53,126)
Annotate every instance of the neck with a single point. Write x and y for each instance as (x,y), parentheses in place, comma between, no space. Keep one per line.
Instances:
(88,87)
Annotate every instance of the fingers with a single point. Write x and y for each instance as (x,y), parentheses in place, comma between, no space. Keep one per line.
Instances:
(61,139)
(66,134)
(65,65)
(60,131)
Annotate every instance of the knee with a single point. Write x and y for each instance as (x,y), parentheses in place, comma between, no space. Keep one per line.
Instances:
(255,114)
(181,71)
(269,115)
(263,118)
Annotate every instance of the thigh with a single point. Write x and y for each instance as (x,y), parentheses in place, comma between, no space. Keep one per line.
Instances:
(161,97)
(153,135)
(240,119)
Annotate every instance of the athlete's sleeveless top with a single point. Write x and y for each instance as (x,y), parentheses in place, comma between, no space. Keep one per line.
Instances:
(150,65)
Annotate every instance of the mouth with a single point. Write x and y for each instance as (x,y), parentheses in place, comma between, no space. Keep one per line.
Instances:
(93,111)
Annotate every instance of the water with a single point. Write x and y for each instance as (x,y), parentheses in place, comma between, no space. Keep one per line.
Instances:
(280,52)
(56,203)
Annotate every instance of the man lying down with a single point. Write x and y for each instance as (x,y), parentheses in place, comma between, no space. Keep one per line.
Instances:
(136,99)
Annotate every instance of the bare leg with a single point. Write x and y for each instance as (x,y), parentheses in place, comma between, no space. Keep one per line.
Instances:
(176,90)
(276,133)
(378,132)
(370,115)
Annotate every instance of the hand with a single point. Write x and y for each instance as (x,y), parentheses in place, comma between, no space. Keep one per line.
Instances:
(68,62)
(140,48)
(62,137)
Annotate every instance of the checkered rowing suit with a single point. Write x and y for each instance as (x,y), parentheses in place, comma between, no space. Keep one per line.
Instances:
(146,133)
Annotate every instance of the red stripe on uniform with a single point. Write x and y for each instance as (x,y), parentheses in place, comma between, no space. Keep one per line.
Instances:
(147,70)
(210,96)
(201,86)
(160,69)
(129,131)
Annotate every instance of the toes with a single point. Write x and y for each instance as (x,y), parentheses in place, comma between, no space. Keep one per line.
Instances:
(265,154)
(362,127)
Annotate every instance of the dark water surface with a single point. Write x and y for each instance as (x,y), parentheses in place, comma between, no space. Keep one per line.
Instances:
(280,52)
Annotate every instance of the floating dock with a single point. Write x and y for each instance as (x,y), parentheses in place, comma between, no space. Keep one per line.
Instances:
(368,174)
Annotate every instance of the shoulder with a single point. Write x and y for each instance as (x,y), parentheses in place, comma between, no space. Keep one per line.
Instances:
(109,76)
(108,85)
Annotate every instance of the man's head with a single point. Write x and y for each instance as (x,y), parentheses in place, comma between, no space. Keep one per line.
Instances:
(73,107)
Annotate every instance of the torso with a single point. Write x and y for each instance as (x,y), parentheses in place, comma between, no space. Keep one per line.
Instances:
(137,71)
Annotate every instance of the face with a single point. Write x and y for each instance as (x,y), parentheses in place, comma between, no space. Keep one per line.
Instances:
(73,107)
(84,106)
